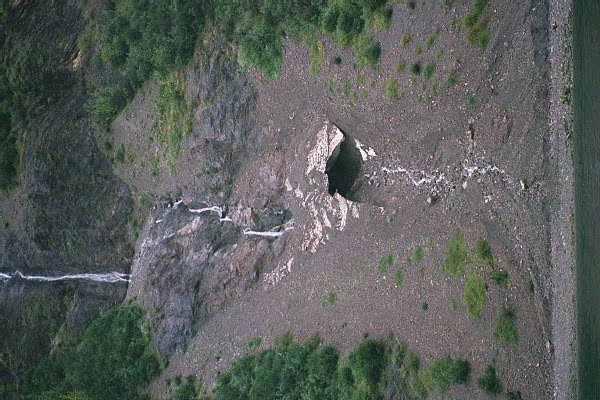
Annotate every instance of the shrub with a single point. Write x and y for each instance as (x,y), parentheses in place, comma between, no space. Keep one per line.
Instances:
(415,68)
(398,354)
(385,262)
(431,38)
(417,50)
(424,306)
(398,276)
(399,67)
(254,343)
(410,366)
(500,277)
(429,70)
(109,360)
(391,90)
(505,331)
(483,253)
(476,26)
(405,40)
(452,79)
(417,254)
(411,4)
(488,382)
(456,256)
(107,104)
(452,304)
(337,60)
(317,56)
(367,51)
(444,372)
(417,388)
(474,294)
(382,19)
(368,364)
(331,298)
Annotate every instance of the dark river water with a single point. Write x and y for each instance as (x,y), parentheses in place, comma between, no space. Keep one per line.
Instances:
(586,93)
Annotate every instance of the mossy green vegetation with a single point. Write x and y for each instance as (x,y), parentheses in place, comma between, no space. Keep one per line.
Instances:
(391,89)
(456,256)
(417,254)
(329,299)
(474,294)
(139,40)
(398,276)
(399,66)
(429,70)
(441,374)
(500,277)
(144,40)
(483,253)
(317,58)
(476,24)
(488,382)
(173,111)
(385,262)
(309,370)
(505,330)
(110,360)
(415,68)
(431,38)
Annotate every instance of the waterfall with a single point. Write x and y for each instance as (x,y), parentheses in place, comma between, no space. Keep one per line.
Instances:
(110,277)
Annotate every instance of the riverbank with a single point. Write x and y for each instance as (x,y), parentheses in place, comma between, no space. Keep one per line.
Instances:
(562,262)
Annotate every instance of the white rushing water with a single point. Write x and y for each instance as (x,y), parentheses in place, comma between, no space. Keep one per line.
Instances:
(438,179)
(110,277)
(217,209)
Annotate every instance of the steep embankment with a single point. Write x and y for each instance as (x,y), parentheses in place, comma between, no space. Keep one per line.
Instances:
(69,213)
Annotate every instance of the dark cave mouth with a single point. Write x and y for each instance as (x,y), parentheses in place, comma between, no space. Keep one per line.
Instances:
(343,168)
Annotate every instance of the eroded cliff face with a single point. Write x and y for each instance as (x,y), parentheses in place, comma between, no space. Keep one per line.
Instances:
(70,212)
(192,260)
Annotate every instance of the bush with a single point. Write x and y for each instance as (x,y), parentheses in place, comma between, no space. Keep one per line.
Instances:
(140,40)
(429,70)
(107,104)
(444,372)
(476,26)
(410,366)
(368,363)
(385,262)
(254,343)
(417,254)
(500,277)
(405,40)
(110,360)
(415,68)
(505,331)
(431,38)
(452,78)
(398,277)
(391,90)
(483,253)
(399,67)
(488,382)
(474,294)
(456,256)
(367,51)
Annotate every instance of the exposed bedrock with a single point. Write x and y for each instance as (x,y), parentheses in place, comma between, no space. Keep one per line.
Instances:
(192,261)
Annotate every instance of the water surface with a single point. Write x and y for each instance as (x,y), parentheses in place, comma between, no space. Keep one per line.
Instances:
(586,48)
